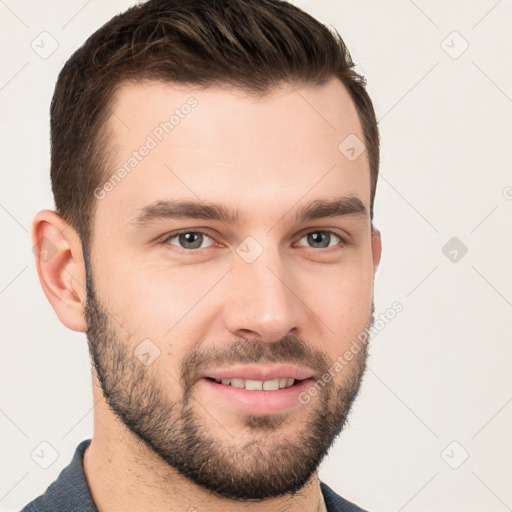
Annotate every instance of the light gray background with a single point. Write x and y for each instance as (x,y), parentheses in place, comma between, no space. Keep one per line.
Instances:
(439,373)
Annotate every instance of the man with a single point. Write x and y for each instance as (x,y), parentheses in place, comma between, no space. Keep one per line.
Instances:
(214,167)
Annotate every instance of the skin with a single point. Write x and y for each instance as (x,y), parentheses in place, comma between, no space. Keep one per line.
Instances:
(265,158)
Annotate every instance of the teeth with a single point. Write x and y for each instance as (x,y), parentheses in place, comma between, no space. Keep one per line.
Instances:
(271,385)
(238,383)
(266,385)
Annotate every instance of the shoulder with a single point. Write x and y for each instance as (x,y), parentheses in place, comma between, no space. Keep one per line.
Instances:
(336,503)
(69,492)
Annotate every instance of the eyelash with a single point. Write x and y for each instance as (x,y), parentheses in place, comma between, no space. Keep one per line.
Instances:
(165,240)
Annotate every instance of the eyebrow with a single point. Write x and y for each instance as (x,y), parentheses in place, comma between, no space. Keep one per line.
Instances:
(183,209)
(186,209)
(339,207)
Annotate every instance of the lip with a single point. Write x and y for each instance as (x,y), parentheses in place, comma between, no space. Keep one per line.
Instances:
(259,372)
(254,401)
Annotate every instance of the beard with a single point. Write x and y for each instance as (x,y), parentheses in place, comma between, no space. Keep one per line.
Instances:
(273,462)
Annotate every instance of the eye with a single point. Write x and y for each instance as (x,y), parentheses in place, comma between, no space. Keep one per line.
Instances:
(321,239)
(189,240)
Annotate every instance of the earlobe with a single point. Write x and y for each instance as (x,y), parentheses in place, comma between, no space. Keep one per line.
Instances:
(376,248)
(60,266)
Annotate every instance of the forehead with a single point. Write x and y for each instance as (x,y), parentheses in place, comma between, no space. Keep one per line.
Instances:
(223,145)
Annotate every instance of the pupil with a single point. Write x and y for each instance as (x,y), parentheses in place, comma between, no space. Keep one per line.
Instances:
(319,239)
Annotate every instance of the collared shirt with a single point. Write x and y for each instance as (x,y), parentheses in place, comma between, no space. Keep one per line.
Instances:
(322,506)
(70,492)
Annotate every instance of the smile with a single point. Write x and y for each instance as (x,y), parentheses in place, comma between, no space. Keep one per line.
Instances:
(258,385)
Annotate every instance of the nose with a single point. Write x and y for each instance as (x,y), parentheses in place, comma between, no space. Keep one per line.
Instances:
(262,300)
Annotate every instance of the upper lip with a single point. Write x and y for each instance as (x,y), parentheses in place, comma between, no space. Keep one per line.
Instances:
(259,372)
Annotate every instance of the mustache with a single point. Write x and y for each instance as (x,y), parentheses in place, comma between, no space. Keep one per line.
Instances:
(288,350)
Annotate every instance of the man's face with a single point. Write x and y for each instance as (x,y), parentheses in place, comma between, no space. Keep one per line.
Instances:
(265,297)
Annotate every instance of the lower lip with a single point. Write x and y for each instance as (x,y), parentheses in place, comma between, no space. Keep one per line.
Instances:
(255,401)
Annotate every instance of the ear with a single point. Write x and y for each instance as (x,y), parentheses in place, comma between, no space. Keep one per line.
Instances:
(376,248)
(60,266)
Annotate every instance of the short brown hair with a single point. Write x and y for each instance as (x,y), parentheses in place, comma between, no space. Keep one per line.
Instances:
(253,45)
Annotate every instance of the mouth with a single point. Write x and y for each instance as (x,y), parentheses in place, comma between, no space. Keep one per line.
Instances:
(273,376)
(257,389)
(258,385)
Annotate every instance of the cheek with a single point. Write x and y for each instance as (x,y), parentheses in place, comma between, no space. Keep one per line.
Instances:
(341,296)
(158,301)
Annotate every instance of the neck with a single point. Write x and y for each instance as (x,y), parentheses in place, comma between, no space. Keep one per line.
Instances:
(124,474)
